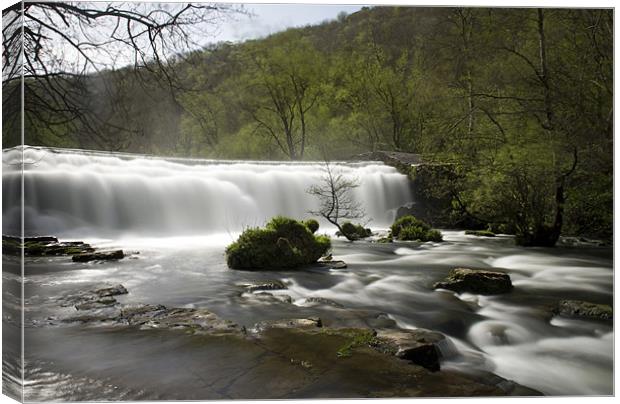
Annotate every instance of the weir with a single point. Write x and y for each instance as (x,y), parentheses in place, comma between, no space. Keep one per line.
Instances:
(78,193)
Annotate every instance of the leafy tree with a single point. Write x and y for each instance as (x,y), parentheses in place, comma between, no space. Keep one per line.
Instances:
(286,86)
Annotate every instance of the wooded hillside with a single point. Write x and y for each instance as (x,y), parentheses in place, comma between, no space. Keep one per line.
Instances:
(520,99)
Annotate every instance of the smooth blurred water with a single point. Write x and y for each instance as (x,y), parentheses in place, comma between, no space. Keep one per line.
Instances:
(513,335)
(74,193)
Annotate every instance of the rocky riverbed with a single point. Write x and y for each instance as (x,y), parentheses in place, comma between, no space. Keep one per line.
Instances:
(174,323)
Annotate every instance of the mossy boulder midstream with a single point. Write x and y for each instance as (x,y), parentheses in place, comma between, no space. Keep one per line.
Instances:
(480,233)
(410,228)
(312,225)
(284,243)
(476,281)
(354,231)
(581,309)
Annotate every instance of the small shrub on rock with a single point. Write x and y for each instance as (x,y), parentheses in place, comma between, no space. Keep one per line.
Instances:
(284,243)
(354,231)
(480,233)
(410,228)
(312,225)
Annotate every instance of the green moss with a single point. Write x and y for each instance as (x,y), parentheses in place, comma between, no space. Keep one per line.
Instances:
(354,231)
(359,337)
(387,239)
(312,225)
(284,243)
(410,228)
(480,233)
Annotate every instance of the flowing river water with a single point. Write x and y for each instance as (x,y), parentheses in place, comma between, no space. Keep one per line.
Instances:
(180,215)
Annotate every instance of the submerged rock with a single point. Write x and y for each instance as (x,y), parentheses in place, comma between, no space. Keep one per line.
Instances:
(476,281)
(418,346)
(194,320)
(294,323)
(95,298)
(151,316)
(266,297)
(322,301)
(581,309)
(99,256)
(265,285)
(332,264)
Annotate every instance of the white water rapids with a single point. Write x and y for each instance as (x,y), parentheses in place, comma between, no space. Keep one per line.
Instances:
(85,194)
(180,214)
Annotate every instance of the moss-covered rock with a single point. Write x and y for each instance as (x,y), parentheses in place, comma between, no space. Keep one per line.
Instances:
(43,246)
(410,228)
(581,309)
(480,233)
(99,256)
(354,231)
(476,281)
(312,225)
(283,244)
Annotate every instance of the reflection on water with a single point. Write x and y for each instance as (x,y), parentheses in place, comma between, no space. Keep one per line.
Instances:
(513,335)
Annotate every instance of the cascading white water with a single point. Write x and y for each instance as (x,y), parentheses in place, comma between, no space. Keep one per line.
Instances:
(84,193)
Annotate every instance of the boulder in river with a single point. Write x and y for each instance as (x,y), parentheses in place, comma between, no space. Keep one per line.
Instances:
(284,243)
(476,281)
(418,346)
(581,309)
(99,256)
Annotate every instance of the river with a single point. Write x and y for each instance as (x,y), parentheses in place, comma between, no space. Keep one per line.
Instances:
(180,215)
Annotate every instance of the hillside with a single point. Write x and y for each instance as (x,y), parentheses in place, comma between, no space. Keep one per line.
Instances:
(520,99)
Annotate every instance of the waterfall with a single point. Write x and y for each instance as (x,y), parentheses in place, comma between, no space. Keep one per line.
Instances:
(78,193)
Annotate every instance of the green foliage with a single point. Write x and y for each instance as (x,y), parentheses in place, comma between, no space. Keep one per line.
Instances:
(410,228)
(284,243)
(358,338)
(387,239)
(354,231)
(462,86)
(407,221)
(312,225)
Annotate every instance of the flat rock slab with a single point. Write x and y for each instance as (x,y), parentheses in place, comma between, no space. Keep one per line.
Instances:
(99,256)
(291,358)
(476,281)
(46,246)
(418,346)
(581,309)
(294,323)
(195,320)
(331,264)
(94,298)
(321,301)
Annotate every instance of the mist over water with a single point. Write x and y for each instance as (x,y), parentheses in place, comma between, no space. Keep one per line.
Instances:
(94,194)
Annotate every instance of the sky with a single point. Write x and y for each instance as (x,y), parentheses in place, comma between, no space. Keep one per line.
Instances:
(266,19)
